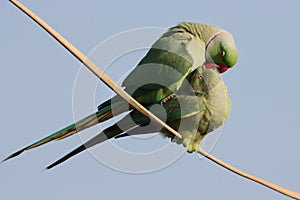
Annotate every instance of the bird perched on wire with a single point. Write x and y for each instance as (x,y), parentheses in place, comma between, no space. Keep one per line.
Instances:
(172,71)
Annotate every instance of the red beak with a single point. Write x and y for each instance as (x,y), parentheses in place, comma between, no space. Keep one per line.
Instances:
(222,68)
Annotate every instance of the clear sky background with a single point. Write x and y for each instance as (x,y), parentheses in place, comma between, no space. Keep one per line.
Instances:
(38,74)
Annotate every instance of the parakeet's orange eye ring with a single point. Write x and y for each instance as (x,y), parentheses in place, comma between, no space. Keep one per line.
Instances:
(222,53)
(200,76)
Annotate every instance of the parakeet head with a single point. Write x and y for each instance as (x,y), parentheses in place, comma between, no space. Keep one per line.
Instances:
(221,51)
(203,80)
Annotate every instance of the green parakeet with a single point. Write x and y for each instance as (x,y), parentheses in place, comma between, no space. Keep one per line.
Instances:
(171,60)
(193,116)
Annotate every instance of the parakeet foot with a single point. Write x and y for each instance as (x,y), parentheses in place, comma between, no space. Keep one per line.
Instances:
(192,142)
(167,98)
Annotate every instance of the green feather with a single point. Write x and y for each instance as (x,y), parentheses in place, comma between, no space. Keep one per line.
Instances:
(99,116)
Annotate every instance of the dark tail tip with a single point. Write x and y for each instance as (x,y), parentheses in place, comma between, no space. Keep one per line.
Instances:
(13,155)
(66,157)
(51,166)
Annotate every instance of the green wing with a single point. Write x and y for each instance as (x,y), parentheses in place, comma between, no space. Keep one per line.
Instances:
(172,57)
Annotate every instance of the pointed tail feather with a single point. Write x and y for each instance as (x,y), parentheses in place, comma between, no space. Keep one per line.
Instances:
(103,136)
(66,157)
(63,133)
(100,116)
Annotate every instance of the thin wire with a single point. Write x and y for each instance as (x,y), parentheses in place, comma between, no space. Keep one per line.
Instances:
(263,182)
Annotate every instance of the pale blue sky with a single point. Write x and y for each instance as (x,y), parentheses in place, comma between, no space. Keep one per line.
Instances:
(38,74)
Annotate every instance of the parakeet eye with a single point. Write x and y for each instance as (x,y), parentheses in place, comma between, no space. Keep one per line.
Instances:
(200,76)
(222,53)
